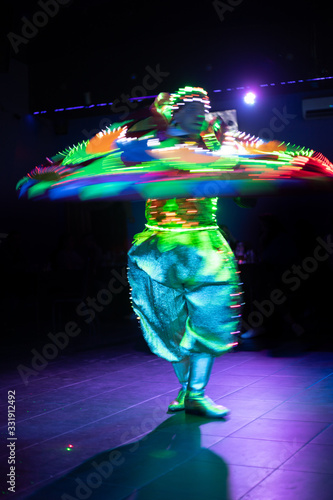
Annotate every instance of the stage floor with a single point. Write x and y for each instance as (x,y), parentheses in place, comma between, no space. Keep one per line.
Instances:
(93,425)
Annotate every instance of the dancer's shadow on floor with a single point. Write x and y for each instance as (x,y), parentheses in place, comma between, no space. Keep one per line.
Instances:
(168,463)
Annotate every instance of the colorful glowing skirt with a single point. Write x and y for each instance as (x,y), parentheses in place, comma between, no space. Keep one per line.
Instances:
(113,166)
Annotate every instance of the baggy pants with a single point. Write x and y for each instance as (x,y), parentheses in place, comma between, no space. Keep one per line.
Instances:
(185,290)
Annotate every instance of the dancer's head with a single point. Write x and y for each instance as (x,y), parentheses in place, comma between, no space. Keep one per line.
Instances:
(186,108)
(190,117)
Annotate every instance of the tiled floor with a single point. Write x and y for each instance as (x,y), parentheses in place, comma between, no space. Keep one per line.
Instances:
(93,425)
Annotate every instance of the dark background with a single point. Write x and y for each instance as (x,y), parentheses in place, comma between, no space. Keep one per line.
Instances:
(102,47)
(84,53)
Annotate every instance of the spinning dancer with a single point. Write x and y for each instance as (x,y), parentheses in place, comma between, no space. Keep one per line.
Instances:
(183,276)
(184,280)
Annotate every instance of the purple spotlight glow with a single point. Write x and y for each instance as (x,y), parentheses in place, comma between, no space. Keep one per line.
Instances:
(250,98)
